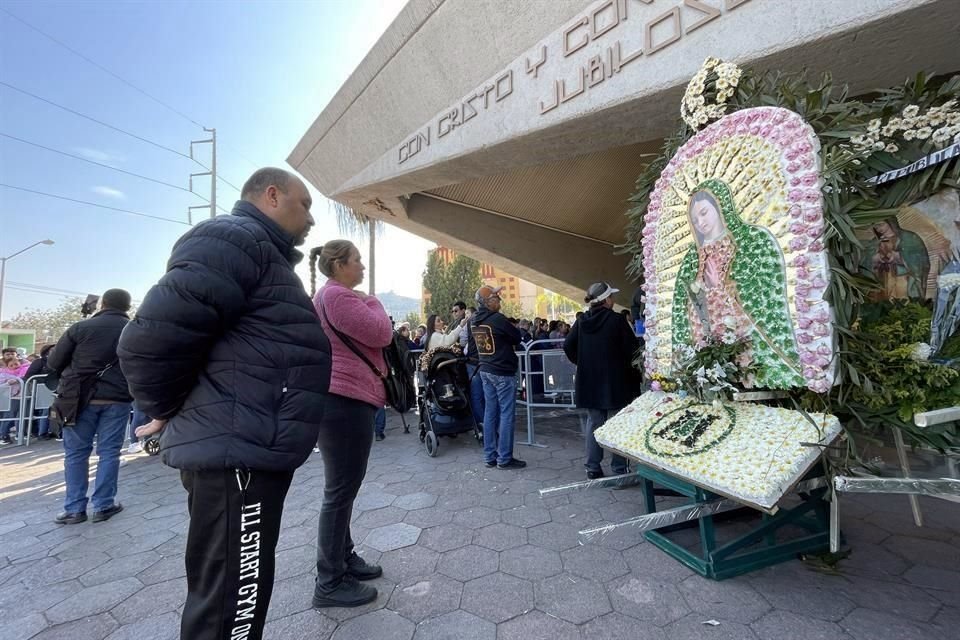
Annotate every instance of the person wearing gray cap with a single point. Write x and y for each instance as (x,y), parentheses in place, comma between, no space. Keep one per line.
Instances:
(602,346)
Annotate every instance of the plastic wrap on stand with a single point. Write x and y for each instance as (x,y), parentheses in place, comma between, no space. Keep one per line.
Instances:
(662,518)
(624,480)
(947,488)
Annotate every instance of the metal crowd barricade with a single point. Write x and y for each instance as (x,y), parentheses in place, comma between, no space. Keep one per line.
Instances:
(36,397)
(7,400)
(557,373)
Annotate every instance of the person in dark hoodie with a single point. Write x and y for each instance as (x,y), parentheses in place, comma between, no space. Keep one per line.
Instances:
(228,356)
(602,346)
(493,339)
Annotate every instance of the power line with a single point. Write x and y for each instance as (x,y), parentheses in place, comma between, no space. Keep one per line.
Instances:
(106,166)
(222,179)
(102,68)
(94,204)
(100,122)
(100,164)
(123,80)
(62,293)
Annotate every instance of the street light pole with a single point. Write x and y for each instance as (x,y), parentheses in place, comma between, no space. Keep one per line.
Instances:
(3,271)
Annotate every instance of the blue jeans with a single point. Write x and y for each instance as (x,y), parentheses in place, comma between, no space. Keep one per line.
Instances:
(43,423)
(500,398)
(380,421)
(477,403)
(138,420)
(595,420)
(108,422)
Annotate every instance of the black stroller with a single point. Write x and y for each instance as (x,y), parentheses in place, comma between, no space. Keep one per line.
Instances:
(443,397)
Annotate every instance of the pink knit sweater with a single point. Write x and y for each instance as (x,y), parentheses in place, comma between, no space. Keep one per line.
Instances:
(362,319)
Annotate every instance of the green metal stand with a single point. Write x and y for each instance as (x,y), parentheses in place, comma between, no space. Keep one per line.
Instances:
(764,545)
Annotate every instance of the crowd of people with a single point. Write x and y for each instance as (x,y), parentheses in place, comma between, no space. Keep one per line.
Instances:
(242,374)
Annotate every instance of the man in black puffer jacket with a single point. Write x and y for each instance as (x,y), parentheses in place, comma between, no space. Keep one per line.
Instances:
(94,404)
(602,345)
(228,355)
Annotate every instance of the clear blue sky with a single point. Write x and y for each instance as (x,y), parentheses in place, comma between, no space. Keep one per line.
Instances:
(260,72)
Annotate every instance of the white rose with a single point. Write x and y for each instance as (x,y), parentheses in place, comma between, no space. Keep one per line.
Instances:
(909,135)
(911,111)
(924,132)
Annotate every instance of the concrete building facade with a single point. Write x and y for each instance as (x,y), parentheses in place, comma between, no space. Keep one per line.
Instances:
(513,131)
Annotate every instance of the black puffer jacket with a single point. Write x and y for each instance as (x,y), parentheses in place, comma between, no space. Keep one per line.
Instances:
(87,347)
(228,346)
(602,346)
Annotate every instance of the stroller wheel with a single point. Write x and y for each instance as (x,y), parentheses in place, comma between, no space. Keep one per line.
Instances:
(431,444)
(152,446)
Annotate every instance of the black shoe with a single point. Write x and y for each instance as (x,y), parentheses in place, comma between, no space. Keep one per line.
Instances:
(380,436)
(65,517)
(406,429)
(594,475)
(490,463)
(106,514)
(361,569)
(349,593)
(513,464)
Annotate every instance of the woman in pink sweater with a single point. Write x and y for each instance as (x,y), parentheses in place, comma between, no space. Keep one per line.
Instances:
(346,432)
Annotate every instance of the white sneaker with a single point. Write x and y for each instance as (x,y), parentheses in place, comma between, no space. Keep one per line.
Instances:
(135,447)
(316,449)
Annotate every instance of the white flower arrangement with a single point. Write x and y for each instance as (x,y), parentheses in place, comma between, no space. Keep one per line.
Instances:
(921,351)
(746,451)
(694,108)
(937,124)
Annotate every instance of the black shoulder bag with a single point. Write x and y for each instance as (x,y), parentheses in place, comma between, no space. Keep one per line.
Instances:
(392,382)
(74,397)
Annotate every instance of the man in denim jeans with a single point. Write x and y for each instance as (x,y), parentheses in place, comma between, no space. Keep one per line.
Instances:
(85,358)
(493,339)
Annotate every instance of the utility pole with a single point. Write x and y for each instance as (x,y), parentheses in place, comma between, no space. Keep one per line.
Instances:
(212,140)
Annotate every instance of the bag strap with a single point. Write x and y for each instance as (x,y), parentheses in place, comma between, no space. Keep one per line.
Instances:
(350,345)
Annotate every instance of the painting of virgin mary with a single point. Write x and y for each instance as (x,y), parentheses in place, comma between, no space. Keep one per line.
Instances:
(732,285)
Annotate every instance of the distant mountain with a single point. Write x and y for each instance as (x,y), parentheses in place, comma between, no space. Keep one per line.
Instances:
(398,306)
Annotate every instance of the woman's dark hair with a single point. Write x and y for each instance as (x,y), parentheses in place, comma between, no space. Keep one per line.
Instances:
(431,329)
(553,326)
(47,349)
(626,314)
(325,257)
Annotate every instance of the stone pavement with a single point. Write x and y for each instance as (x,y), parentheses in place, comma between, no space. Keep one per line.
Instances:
(468,553)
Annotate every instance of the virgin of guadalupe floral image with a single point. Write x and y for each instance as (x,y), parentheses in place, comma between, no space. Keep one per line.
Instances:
(732,285)
(899,260)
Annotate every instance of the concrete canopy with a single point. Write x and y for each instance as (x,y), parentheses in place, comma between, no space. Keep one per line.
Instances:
(513,131)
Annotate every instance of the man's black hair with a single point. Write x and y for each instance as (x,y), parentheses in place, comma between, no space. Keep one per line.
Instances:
(116,299)
(459,304)
(9,350)
(263,178)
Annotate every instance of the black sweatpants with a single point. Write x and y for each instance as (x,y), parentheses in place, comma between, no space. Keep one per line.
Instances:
(346,435)
(234,526)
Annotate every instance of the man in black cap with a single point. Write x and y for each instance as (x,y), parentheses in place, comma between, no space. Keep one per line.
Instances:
(602,346)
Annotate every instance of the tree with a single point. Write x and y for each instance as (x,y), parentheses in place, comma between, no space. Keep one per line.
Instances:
(449,283)
(414,319)
(48,324)
(513,309)
(354,223)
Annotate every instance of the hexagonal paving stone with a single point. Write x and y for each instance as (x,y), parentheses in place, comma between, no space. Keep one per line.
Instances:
(501,537)
(497,597)
(554,536)
(616,626)
(650,562)
(531,563)
(870,624)
(394,536)
(306,625)
(155,599)
(594,562)
(774,624)
(692,628)
(382,624)
(74,567)
(476,517)
(576,515)
(429,517)
(415,501)
(446,537)
(380,517)
(458,625)
(572,598)
(165,569)
(93,600)
(293,562)
(806,593)
(647,599)
(426,598)
(525,516)
(930,552)
(120,568)
(732,599)
(458,501)
(156,627)
(501,501)
(898,599)
(99,626)
(467,563)
(537,624)
(373,501)
(402,565)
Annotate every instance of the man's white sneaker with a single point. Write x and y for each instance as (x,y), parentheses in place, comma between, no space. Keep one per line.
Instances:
(135,447)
